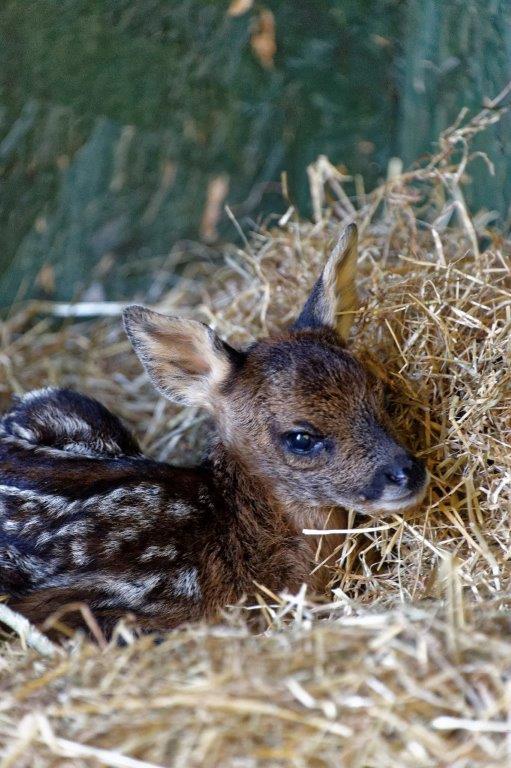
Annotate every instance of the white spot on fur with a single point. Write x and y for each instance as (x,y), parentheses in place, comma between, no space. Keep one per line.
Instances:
(28,525)
(169,552)
(79,553)
(81,449)
(35,394)
(56,505)
(132,593)
(140,503)
(34,567)
(25,434)
(33,445)
(111,546)
(179,509)
(60,423)
(128,534)
(186,583)
(43,538)
(76,528)
(10,525)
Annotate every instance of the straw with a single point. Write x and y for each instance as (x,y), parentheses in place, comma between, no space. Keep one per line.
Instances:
(406,658)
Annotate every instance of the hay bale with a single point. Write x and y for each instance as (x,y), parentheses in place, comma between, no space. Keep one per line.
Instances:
(406,660)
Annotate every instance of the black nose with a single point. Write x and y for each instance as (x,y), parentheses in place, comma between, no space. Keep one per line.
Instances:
(405,471)
(402,473)
(397,476)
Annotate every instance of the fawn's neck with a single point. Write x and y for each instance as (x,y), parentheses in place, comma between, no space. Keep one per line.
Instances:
(270,530)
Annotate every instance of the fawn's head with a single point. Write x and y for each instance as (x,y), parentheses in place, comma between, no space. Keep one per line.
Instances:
(299,410)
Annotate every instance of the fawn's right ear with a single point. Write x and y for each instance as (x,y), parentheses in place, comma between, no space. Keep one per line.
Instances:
(186,361)
(333,301)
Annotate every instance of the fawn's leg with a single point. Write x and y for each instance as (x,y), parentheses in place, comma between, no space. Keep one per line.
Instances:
(67,421)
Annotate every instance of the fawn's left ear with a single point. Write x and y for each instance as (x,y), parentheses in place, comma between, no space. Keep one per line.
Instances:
(186,361)
(333,300)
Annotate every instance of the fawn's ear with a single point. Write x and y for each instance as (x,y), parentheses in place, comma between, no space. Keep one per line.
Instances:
(186,361)
(333,300)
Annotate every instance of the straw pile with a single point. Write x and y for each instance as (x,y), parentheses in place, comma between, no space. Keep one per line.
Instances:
(407,660)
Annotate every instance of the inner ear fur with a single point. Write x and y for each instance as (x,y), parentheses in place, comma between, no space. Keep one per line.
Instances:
(185,359)
(333,300)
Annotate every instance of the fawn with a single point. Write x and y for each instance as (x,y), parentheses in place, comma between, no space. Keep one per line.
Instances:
(302,434)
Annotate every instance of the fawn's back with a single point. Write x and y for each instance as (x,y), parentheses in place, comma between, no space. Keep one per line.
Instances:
(122,533)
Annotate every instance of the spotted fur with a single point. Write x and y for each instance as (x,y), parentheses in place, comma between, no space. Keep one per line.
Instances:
(85,517)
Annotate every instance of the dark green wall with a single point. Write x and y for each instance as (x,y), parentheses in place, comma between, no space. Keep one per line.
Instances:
(457,53)
(116,115)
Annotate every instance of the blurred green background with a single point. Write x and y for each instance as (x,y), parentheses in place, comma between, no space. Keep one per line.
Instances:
(127,125)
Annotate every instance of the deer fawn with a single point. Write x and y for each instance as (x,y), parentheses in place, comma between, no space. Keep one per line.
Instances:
(301,434)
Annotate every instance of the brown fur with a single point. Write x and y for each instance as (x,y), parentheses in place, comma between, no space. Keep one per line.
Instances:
(84,517)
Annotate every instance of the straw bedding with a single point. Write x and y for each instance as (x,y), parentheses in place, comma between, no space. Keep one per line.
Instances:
(406,661)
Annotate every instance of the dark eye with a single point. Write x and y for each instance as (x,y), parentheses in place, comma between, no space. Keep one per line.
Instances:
(302,442)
